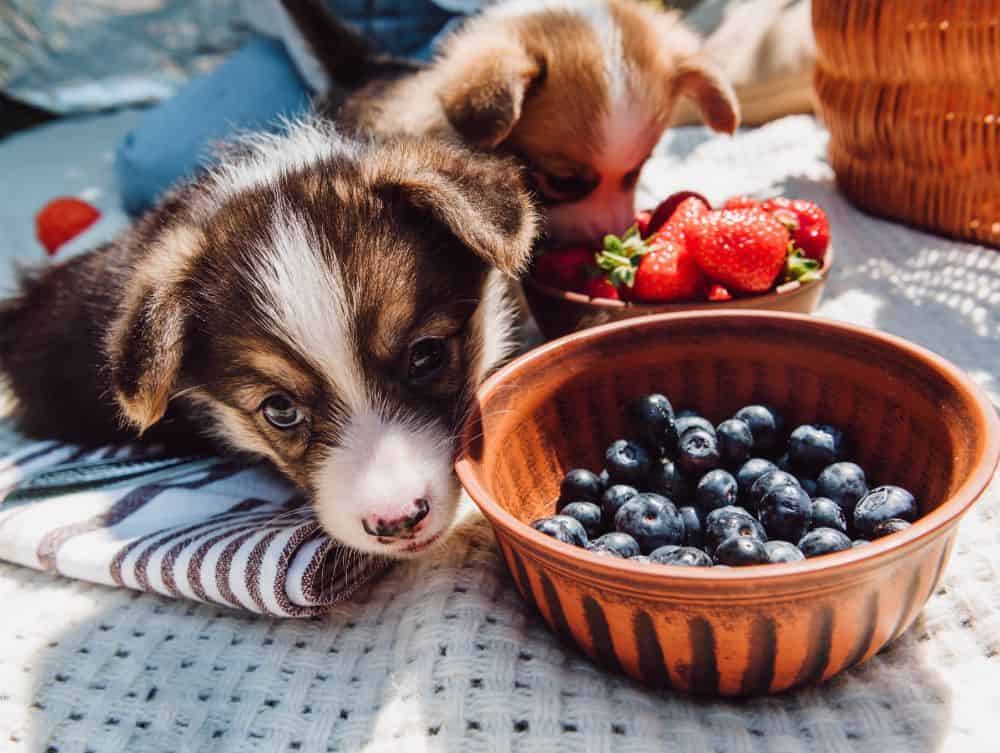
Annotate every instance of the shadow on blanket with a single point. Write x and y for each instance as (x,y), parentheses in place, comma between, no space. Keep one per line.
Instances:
(438,656)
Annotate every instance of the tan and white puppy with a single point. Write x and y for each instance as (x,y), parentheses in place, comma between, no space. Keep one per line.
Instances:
(579,90)
(325,304)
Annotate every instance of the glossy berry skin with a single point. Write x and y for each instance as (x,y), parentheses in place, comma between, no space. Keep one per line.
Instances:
(726,522)
(844,483)
(783,551)
(810,230)
(666,272)
(665,478)
(766,425)
(785,512)
(562,528)
(881,504)
(748,473)
(662,552)
(580,485)
(887,527)
(600,287)
(716,489)
(588,514)
(651,421)
(823,541)
(564,268)
(670,206)
(812,447)
(616,543)
(740,551)
(718,293)
(697,452)
(694,534)
(627,462)
(653,521)
(613,498)
(859,542)
(742,249)
(735,442)
(605,477)
(827,514)
(741,202)
(685,556)
(688,419)
(767,482)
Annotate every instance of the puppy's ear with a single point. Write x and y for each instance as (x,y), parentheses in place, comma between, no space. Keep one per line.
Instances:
(481,200)
(145,344)
(698,79)
(483,87)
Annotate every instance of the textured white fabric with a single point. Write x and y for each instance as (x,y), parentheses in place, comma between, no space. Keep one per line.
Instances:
(215,531)
(441,655)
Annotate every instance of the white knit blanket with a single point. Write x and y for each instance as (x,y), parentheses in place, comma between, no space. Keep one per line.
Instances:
(206,529)
(442,655)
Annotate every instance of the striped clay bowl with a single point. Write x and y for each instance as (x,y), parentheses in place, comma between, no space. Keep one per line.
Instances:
(914,419)
(560,312)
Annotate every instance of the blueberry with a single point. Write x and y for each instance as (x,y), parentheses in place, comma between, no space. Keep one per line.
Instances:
(766,425)
(665,478)
(735,442)
(783,551)
(652,520)
(690,420)
(827,514)
(651,419)
(812,447)
(694,534)
(738,551)
(892,525)
(640,558)
(627,462)
(767,482)
(580,485)
(844,483)
(749,472)
(784,512)
(613,498)
(881,504)
(808,485)
(662,552)
(562,528)
(618,544)
(716,489)
(698,452)
(605,478)
(588,514)
(860,542)
(686,556)
(824,541)
(731,521)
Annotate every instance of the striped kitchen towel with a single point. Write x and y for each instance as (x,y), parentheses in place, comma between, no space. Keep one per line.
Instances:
(213,530)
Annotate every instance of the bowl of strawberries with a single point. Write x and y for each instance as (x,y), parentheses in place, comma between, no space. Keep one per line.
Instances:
(771,254)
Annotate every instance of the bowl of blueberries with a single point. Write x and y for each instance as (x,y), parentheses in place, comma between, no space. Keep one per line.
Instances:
(728,504)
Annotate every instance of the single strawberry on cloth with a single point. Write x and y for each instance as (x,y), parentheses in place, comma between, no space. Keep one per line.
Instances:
(206,529)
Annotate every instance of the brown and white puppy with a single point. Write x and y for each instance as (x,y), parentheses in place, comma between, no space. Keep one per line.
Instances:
(579,90)
(326,304)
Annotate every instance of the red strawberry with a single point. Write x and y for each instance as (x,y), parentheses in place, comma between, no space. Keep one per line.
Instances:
(742,249)
(811,229)
(681,221)
(564,268)
(601,287)
(669,205)
(62,220)
(642,222)
(655,271)
(719,293)
(741,202)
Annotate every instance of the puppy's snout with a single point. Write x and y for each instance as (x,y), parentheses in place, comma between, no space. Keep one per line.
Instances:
(400,526)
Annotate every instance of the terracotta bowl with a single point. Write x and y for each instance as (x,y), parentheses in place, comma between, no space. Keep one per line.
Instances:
(559,312)
(913,418)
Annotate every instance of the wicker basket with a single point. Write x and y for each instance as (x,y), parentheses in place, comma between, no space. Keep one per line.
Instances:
(910,90)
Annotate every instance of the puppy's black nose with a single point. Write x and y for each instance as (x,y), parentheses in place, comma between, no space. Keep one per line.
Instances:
(397,527)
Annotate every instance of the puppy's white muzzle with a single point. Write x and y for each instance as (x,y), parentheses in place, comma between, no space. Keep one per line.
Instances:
(605,211)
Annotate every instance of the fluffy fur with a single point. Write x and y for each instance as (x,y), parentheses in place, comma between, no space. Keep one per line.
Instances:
(307,269)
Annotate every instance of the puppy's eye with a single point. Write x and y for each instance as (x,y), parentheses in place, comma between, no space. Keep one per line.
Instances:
(563,188)
(427,357)
(281,412)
